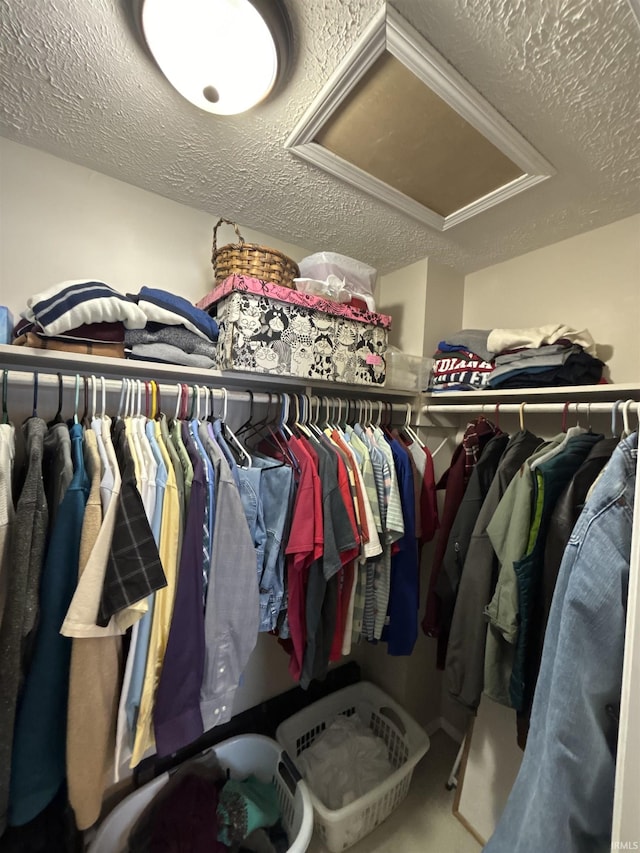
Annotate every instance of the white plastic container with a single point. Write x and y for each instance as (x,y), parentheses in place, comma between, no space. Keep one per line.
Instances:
(406,741)
(359,278)
(407,372)
(242,756)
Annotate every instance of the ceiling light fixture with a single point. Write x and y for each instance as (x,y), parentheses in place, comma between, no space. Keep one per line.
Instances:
(225,56)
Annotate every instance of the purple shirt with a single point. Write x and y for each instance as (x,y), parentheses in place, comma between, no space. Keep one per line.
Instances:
(177,719)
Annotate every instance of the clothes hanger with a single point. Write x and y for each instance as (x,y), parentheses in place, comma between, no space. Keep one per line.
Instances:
(85,411)
(230,435)
(521,416)
(625,418)
(76,399)
(614,414)
(57,418)
(121,401)
(408,430)
(34,413)
(103,389)
(245,426)
(5,412)
(284,417)
(94,398)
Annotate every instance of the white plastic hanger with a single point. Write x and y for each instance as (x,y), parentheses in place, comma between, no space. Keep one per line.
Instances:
(625,418)
(407,427)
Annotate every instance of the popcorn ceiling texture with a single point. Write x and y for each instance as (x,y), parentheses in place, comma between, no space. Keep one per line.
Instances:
(77,82)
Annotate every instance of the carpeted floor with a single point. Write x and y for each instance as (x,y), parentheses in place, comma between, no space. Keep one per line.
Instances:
(423,823)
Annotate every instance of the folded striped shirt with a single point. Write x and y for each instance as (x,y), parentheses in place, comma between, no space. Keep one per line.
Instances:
(72,303)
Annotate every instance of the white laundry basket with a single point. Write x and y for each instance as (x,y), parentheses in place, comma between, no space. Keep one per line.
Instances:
(242,756)
(406,741)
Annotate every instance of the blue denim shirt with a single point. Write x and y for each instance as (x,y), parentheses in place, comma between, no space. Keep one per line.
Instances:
(563,796)
(276,481)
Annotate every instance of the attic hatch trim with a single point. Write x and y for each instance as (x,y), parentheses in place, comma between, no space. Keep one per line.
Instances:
(388,31)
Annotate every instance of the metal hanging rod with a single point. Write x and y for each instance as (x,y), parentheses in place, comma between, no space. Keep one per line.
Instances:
(580,408)
(40,381)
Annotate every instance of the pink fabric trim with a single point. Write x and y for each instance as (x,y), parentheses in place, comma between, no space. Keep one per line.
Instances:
(245,284)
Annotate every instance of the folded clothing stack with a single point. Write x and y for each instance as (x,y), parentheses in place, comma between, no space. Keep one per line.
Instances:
(91,318)
(544,356)
(547,357)
(86,317)
(176,331)
(462,362)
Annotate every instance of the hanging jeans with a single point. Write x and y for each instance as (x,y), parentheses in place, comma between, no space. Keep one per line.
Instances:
(563,796)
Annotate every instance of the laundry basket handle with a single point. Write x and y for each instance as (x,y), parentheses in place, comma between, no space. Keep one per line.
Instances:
(289,772)
(215,235)
(395,718)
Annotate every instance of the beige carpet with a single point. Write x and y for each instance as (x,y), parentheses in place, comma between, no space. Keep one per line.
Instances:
(423,823)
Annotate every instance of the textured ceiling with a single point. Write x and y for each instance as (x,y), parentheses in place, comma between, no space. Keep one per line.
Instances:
(566,73)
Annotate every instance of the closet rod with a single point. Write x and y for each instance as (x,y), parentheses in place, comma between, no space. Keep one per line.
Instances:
(580,408)
(23,378)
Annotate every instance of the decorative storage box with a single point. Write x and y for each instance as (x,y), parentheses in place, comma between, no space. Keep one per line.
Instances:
(265,328)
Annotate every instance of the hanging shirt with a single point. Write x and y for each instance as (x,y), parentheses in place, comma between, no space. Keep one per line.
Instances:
(467,640)
(276,483)
(323,584)
(133,569)
(57,467)
(7,513)
(455,480)
(179,474)
(162,612)
(552,475)
(508,532)
(429,500)
(461,530)
(38,760)
(303,547)
(192,431)
(569,764)
(93,678)
(232,611)
(141,635)
(175,431)
(176,718)
(26,554)
(401,631)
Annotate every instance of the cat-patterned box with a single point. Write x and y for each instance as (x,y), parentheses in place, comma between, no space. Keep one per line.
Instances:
(266,328)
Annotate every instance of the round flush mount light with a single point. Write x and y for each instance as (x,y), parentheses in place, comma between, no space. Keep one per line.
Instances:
(225,56)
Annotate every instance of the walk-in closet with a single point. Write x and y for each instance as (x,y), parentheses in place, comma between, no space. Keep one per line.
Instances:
(319,411)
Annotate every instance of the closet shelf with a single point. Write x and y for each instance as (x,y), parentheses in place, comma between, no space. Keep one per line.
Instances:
(567,393)
(28,358)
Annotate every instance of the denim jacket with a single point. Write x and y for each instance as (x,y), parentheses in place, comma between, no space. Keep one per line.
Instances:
(563,796)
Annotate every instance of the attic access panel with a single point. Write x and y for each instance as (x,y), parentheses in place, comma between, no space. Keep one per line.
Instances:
(397,121)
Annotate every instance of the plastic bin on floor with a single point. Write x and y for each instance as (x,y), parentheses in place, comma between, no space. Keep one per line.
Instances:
(406,741)
(242,756)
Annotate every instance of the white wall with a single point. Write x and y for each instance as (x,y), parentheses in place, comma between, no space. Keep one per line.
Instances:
(61,221)
(592,281)
(402,294)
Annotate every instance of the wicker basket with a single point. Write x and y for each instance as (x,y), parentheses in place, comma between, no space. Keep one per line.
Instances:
(250,259)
